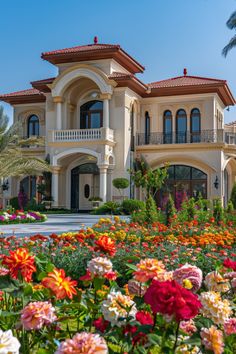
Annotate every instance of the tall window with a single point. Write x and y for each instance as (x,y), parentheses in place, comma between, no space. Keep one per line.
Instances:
(167,127)
(91,115)
(195,125)
(181,126)
(147,128)
(132,128)
(33,125)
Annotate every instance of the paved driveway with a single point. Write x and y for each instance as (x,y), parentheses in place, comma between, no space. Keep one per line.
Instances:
(55,224)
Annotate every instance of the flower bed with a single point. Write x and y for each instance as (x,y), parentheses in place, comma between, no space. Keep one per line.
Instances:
(120,288)
(20,216)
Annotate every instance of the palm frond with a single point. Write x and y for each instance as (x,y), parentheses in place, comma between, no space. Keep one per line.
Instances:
(229,46)
(12,161)
(231,23)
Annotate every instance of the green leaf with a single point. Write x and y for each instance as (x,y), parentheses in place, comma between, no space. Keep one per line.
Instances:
(42,275)
(28,290)
(131,266)
(98,282)
(49,267)
(154,338)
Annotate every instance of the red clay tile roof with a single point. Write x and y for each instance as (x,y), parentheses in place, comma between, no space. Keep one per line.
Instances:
(24,96)
(94,52)
(42,85)
(185,81)
(22,93)
(82,48)
(44,81)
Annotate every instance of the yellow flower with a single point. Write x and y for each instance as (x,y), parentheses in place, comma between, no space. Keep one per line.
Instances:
(187,284)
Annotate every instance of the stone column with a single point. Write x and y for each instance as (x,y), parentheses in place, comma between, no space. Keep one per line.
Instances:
(58,100)
(55,186)
(109,184)
(103,182)
(106,118)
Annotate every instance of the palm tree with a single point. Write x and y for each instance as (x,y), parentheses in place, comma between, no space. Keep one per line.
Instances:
(231,24)
(12,161)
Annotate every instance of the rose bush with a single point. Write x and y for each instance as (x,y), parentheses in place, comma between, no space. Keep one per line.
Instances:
(120,288)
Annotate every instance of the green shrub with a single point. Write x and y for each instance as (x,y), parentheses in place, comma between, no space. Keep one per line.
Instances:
(189,206)
(233,195)
(14,203)
(120,184)
(111,208)
(218,211)
(131,205)
(151,210)
(170,210)
(230,207)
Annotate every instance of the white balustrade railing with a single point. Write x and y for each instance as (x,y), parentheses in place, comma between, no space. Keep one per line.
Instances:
(82,134)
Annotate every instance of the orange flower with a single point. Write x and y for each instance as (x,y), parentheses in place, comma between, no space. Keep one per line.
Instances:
(60,285)
(20,261)
(148,268)
(106,245)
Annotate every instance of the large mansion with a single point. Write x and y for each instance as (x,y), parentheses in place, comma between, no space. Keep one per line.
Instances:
(97,117)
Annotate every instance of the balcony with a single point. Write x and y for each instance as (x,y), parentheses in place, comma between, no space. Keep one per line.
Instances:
(205,136)
(81,135)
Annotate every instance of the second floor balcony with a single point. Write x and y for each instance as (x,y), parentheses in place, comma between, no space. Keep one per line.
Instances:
(205,136)
(81,135)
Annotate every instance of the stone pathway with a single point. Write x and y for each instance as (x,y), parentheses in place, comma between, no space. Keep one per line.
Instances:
(57,223)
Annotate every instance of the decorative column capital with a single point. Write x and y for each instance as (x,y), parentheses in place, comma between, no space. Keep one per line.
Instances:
(56,169)
(105,96)
(57,99)
(103,168)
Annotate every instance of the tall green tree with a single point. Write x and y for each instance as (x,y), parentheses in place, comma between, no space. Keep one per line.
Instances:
(12,161)
(231,24)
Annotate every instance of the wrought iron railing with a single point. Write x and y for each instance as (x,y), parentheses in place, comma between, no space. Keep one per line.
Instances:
(205,136)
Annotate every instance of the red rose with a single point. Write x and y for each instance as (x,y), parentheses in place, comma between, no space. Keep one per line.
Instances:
(100,324)
(144,318)
(228,263)
(169,298)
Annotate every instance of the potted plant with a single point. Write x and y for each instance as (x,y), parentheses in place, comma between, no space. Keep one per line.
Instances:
(47,201)
(96,202)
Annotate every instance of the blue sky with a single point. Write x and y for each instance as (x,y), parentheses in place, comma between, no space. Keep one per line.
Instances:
(164,35)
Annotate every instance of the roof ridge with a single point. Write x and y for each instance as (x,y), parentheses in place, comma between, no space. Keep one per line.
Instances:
(33,90)
(55,51)
(187,76)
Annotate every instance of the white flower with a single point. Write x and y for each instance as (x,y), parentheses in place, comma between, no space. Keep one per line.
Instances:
(8,343)
(99,266)
(118,306)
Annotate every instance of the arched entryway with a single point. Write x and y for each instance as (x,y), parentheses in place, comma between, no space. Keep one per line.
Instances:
(84,185)
(183,182)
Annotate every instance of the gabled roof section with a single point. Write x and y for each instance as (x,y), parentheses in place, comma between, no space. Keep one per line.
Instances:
(25,96)
(42,85)
(129,80)
(94,52)
(185,81)
(185,85)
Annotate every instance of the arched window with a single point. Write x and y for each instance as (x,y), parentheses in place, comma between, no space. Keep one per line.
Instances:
(91,115)
(181,126)
(147,128)
(183,182)
(33,125)
(195,125)
(167,127)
